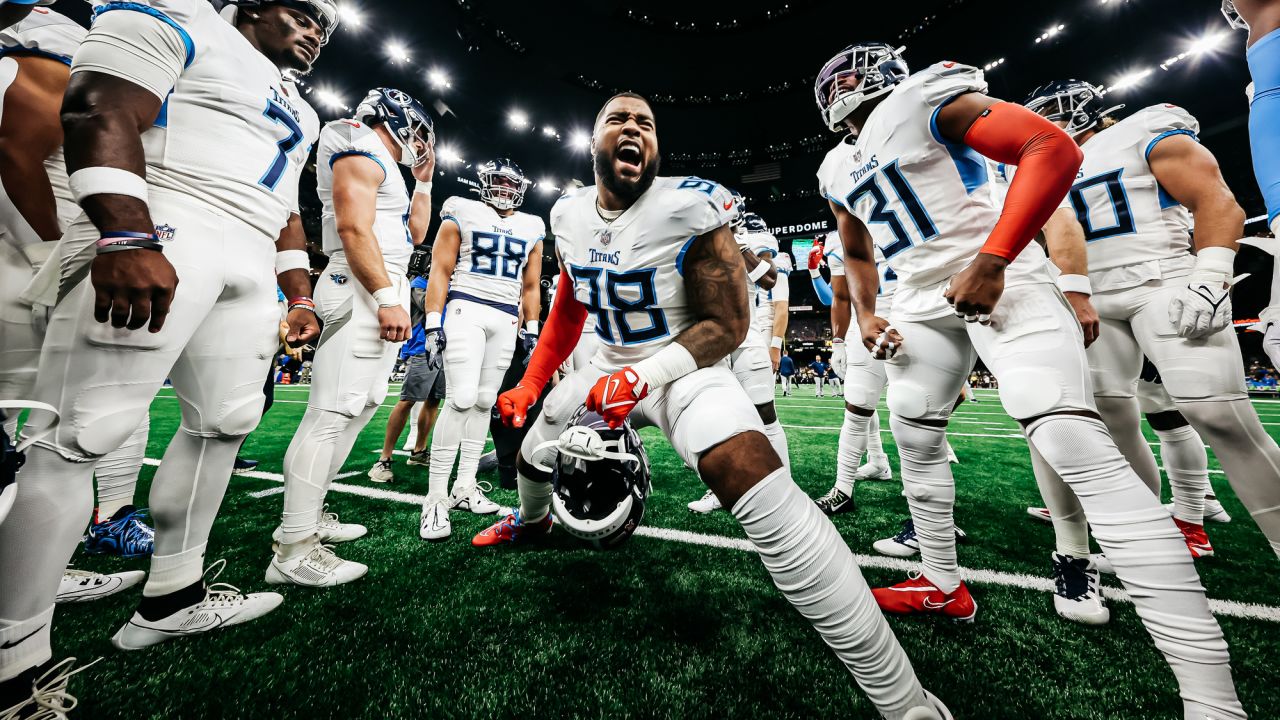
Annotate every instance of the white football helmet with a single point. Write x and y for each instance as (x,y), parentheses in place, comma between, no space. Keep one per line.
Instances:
(1233,16)
(876,68)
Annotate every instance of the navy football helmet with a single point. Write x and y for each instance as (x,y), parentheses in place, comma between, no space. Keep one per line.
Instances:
(324,12)
(405,117)
(502,184)
(1077,102)
(876,68)
(600,479)
(739,212)
(753,223)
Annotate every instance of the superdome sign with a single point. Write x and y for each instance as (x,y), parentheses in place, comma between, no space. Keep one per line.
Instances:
(809,227)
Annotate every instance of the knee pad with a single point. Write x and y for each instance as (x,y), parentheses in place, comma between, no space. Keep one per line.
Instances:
(861,396)
(234,417)
(908,399)
(485,400)
(461,399)
(1028,392)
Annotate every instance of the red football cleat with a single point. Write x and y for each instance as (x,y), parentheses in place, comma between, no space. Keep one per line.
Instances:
(918,595)
(512,529)
(1197,539)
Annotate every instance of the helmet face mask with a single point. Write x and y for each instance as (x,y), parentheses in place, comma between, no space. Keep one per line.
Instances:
(1233,16)
(739,213)
(406,119)
(873,68)
(502,184)
(1075,102)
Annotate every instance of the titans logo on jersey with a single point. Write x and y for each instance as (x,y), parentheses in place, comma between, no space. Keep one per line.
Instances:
(634,285)
(494,249)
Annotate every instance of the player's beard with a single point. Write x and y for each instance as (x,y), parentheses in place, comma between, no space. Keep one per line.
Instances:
(624,190)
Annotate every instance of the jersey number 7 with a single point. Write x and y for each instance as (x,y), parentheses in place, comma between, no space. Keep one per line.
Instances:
(280,116)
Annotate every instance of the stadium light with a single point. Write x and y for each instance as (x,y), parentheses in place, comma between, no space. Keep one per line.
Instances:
(330,99)
(579,140)
(1208,43)
(350,15)
(518,120)
(550,132)
(1051,32)
(546,185)
(438,79)
(1131,79)
(448,154)
(397,51)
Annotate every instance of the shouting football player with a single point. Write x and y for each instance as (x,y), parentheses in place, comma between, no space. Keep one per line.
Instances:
(370,227)
(910,178)
(655,261)
(173,266)
(485,263)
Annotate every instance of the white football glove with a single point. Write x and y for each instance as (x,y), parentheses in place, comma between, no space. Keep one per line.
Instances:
(838,356)
(1203,307)
(40,315)
(1270,317)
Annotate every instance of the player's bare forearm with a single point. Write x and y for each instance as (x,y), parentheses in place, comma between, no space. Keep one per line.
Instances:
(859,261)
(752,261)
(297,282)
(715,284)
(419,217)
(365,258)
(841,306)
(26,182)
(1065,243)
(29,133)
(781,318)
(531,287)
(103,118)
(444,257)
(1190,174)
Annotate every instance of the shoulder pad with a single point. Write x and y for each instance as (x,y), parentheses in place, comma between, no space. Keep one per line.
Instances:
(942,81)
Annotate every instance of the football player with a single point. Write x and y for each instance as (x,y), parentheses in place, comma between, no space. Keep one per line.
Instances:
(370,228)
(911,177)
(13,12)
(751,362)
(864,376)
(654,259)
(486,263)
(189,254)
(1143,182)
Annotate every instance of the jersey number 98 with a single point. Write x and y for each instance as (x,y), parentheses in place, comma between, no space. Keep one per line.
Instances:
(497,255)
(621,294)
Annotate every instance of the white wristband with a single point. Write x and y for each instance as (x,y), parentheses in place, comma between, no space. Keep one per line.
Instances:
(423,188)
(815,273)
(665,366)
(776,342)
(386,297)
(531,327)
(287,260)
(1216,259)
(1075,283)
(758,271)
(89,181)
(432,321)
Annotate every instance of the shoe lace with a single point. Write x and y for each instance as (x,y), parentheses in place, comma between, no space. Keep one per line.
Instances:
(483,487)
(49,691)
(84,577)
(708,495)
(220,594)
(323,557)
(328,518)
(136,531)
(908,531)
(834,496)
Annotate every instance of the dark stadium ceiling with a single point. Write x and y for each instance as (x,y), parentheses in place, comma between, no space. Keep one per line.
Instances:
(732,82)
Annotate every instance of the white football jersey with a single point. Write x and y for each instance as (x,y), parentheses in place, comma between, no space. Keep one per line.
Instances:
(759,244)
(45,33)
(762,315)
(309,121)
(343,138)
(229,134)
(629,272)
(928,202)
(493,250)
(833,251)
(1135,231)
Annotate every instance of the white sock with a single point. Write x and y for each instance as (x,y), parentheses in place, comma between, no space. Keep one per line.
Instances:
(931,494)
(24,644)
(171,573)
(307,463)
(117,472)
(410,442)
(1124,424)
(1150,558)
(875,443)
(1248,454)
(852,444)
(535,497)
(778,439)
(1187,465)
(813,567)
(1070,529)
(474,430)
(444,449)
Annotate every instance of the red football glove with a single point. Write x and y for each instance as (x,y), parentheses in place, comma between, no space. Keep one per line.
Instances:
(815,257)
(615,396)
(514,404)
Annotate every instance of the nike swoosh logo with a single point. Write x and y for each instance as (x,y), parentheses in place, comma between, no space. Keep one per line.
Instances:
(19,641)
(936,606)
(728,205)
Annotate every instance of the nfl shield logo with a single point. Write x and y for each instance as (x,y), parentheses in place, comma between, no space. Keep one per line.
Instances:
(604,237)
(164,233)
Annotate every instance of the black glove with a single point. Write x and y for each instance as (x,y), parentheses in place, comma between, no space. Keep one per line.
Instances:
(435,348)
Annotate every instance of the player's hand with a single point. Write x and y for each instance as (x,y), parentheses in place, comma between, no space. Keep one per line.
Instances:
(394,324)
(529,341)
(303,327)
(435,348)
(1271,344)
(815,260)
(1202,307)
(1090,325)
(514,404)
(423,171)
(879,337)
(40,314)
(838,356)
(775,357)
(133,288)
(615,396)
(974,291)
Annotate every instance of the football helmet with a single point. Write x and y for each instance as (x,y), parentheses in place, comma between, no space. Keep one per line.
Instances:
(1233,16)
(324,12)
(753,223)
(506,195)
(739,212)
(1077,102)
(876,67)
(600,479)
(404,117)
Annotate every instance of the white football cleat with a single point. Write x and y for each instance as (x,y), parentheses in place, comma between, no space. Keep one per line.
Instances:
(49,698)
(381,472)
(1101,562)
(1040,513)
(1213,511)
(937,711)
(472,498)
(332,531)
(83,586)
(874,471)
(708,503)
(1076,594)
(318,568)
(434,524)
(223,606)
(905,544)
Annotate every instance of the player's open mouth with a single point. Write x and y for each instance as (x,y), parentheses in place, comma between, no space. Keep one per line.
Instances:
(629,157)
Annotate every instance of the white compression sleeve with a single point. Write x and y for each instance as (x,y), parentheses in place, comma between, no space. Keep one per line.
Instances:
(1187,465)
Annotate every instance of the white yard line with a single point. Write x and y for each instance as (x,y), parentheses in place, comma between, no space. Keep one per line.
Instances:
(1229,608)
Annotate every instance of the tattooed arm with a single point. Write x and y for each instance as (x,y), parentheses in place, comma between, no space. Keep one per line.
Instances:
(715,283)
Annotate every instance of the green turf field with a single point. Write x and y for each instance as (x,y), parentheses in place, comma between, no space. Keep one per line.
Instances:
(682,623)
